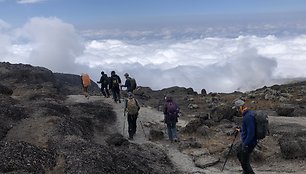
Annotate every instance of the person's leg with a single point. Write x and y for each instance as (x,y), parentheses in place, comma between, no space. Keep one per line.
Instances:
(130,125)
(86,91)
(244,158)
(114,95)
(169,127)
(173,129)
(118,95)
(102,90)
(107,91)
(134,124)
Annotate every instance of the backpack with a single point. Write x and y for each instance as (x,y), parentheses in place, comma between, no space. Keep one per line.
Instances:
(133,83)
(132,107)
(115,81)
(172,108)
(85,80)
(105,79)
(261,124)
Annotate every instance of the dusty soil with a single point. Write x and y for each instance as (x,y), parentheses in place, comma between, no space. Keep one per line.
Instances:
(148,116)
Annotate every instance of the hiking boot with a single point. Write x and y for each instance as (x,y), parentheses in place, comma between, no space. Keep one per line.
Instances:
(131,138)
(176,140)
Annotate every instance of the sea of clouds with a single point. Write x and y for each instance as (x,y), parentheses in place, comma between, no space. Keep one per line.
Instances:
(157,59)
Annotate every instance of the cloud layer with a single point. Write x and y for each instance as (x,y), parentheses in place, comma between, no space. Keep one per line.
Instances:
(217,64)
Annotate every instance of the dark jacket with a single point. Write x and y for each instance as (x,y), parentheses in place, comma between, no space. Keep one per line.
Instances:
(128,84)
(247,132)
(104,80)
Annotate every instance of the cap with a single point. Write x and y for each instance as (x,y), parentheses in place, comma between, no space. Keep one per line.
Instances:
(238,103)
(130,94)
(126,74)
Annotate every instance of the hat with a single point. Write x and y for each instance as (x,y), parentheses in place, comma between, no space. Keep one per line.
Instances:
(126,74)
(130,94)
(238,103)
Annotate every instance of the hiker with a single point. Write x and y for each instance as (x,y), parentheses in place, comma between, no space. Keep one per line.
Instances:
(131,108)
(85,81)
(247,134)
(104,80)
(171,111)
(114,85)
(130,83)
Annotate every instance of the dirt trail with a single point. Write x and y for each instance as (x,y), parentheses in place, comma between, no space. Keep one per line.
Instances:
(182,161)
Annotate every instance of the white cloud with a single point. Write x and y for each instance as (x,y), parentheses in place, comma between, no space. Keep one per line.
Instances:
(54,44)
(29,1)
(217,64)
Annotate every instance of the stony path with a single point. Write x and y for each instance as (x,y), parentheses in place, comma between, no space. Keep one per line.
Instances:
(183,162)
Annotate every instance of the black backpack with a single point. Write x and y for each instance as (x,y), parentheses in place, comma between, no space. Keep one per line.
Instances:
(133,83)
(115,81)
(262,124)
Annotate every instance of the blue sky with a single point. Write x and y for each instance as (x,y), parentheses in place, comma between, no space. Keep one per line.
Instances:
(218,45)
(106,12)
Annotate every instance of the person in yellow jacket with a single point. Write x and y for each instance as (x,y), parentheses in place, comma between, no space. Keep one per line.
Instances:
(85,79)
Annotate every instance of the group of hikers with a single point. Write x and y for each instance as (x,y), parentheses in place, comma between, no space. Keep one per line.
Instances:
(109,84)
(171,112)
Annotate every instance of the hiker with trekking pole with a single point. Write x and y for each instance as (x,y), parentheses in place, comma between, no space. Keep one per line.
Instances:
(247,135)
(131,108)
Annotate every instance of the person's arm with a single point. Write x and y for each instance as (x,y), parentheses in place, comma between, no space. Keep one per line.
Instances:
(125,84)
(101,80)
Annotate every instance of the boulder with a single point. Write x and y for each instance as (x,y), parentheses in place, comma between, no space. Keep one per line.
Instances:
(206,161)
(285,110)
(116,140)
(5,90)
(293,146)
(156,134)
(222,112)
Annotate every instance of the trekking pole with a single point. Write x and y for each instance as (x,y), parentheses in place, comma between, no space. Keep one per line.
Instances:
(236,133)
(123,123)
(143,129)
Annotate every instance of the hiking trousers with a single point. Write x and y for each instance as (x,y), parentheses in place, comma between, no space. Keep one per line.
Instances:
(244,158)
(132,126)
(116,94)
(104,90)
(171,127)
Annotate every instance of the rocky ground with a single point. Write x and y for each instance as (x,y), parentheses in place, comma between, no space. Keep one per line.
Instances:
(48,127)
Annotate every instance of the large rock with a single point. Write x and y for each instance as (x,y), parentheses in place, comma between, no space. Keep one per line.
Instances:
(117,140)
(222,112)
(5,90)
(156,134)
(206,161)
(285,110)
(293,145)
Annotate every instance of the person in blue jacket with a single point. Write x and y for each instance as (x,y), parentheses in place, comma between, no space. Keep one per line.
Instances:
(248,137)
